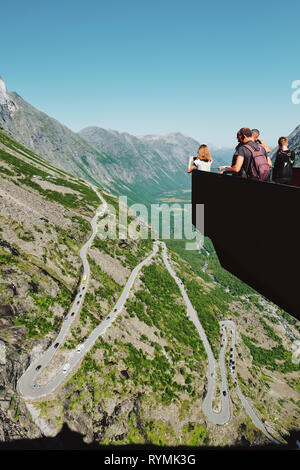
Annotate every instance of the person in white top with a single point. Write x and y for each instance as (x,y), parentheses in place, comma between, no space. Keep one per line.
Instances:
(203,160)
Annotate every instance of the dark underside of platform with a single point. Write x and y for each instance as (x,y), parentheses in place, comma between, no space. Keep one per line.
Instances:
(255,229)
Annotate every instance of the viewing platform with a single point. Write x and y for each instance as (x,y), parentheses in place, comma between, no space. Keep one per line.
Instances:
(255,230)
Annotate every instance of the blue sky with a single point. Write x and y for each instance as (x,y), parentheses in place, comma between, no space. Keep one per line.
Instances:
(203,68)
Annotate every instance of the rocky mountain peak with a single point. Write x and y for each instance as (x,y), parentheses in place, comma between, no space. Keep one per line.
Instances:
(3,92)
(5,99)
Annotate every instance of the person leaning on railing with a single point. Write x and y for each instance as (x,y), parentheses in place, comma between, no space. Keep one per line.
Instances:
(240,159)
(203,160)
(250,159)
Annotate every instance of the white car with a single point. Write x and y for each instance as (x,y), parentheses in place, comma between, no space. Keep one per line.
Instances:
(80,347)
(66,368)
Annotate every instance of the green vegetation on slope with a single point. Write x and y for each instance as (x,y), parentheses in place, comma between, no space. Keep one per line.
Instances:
(28,170)
(198,259)
(41,320)
(275,359)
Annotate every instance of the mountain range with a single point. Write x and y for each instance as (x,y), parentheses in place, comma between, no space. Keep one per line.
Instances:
(142,168)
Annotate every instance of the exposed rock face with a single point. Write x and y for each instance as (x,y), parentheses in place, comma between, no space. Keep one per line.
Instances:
(15,420)
(6,101)
(8,107)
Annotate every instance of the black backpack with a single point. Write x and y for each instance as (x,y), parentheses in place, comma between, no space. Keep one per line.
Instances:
(283,167)
(258,168)
(284,159)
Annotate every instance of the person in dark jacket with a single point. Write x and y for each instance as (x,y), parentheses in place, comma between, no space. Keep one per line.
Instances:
(284,161)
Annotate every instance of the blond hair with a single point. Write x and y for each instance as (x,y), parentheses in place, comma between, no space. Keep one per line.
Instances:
(204,153)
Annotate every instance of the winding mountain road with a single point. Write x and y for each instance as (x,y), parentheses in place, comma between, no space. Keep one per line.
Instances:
(222,417)
(28,388)
(26,384)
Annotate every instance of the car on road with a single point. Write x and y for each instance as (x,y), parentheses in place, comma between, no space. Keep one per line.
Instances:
(66,367)
(108,317)
(78,302)
(56,345)
(72,314)
(80,295)
(115,310)
(224,393)
(38,367)
(35,386)
(80,347)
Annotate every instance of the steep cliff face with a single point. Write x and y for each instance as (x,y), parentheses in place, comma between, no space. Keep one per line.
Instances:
(8,107)
(6,101)
(15,420)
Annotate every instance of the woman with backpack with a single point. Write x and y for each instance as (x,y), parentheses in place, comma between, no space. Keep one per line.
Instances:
(283,166)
